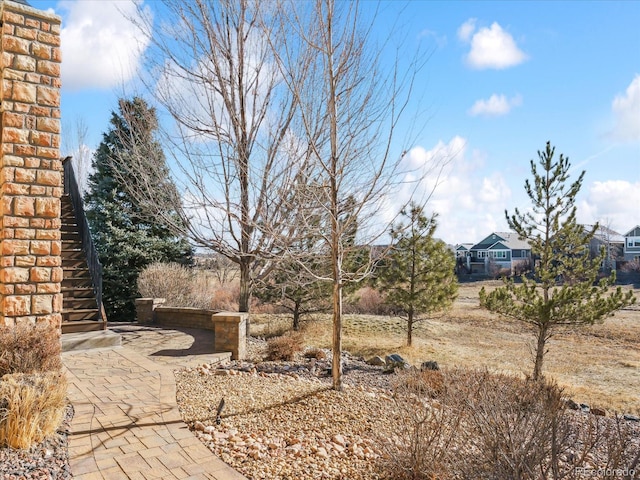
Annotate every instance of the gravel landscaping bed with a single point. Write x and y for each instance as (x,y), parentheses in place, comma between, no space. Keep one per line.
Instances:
(285,421)
(281,420)
(48,460)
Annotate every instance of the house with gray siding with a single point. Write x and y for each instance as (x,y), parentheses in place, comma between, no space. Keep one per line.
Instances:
(632,245)
(498,252)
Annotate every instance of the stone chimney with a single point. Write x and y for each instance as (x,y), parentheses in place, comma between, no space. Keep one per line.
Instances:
(30,169)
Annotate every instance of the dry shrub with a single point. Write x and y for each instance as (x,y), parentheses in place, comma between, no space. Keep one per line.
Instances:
(367,301)
(226,298)
(426,383)
(31,407)
(316,353)
(469,424)
(284,347)
(631,267)
(29,348)
(179,285)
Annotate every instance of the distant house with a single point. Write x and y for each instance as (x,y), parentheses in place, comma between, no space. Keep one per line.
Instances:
(631,250)
(609,240)
(462,250)
(498,252)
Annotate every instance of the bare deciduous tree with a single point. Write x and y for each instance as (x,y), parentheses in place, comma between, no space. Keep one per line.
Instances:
(350,109)
(237,159)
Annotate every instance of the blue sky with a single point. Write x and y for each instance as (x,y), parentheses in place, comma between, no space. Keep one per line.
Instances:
(502,79)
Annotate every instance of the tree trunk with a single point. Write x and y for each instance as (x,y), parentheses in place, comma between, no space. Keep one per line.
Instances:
(244,300)
(296,316)
(336,366)
(409,328)
(542,340)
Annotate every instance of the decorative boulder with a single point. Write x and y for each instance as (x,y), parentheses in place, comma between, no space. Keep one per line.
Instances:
(394,361)
(377,361)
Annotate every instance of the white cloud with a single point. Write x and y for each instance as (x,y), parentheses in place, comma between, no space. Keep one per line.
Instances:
(611,202)
(626,110)
(469,198)
(440,40)
(490,47)
(495,105)
(466,29)
(101,47)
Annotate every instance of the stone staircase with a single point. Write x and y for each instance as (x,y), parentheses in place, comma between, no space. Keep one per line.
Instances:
(80,312)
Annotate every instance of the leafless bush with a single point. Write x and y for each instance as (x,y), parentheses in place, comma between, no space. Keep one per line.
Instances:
(463,424)
(427,442)
(367,301)
(632,266)
(512,425)
(29,348)
(316,353)
(226,298)
(179,285)
(284,347)
(31,407)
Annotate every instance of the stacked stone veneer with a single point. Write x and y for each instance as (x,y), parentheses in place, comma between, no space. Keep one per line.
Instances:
(30,169)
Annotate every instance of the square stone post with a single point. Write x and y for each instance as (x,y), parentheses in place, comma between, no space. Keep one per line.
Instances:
(231,333)
(145,308)
(30,167)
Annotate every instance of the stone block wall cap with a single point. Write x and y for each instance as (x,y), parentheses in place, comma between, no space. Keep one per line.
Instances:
(230,317)
(21,6)
(187,309)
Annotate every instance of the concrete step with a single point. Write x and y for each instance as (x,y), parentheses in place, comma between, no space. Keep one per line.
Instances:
(88,340)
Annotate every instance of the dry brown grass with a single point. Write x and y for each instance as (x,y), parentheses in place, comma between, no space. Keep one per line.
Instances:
(599,365)
(31,407)
(28,348)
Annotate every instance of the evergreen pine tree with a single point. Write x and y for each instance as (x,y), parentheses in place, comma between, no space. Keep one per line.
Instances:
(418,278)
(126,239)
(565,292)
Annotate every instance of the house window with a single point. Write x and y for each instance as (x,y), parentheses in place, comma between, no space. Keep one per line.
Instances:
(482,254)
(501,254)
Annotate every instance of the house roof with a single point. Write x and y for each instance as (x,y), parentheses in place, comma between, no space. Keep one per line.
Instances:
(509,240)
(605,234)
(634,232)
(464,246)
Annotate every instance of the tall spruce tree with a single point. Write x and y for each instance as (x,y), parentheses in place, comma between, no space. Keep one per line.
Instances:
(418,277)
(127,239)
(565,292)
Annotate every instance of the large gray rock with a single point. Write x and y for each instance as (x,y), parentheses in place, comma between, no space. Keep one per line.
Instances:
(377,361)
(395,361)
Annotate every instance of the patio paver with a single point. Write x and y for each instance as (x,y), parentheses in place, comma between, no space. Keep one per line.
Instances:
(126,423)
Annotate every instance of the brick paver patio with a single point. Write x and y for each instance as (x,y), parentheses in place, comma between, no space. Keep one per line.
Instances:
(126,423)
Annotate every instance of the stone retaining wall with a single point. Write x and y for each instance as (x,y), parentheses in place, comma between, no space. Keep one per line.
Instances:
(229,327)
(30,167)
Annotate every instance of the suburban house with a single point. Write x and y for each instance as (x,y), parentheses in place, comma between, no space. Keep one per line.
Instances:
(609,240)
(462,250)
(498,252)
(631,250)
